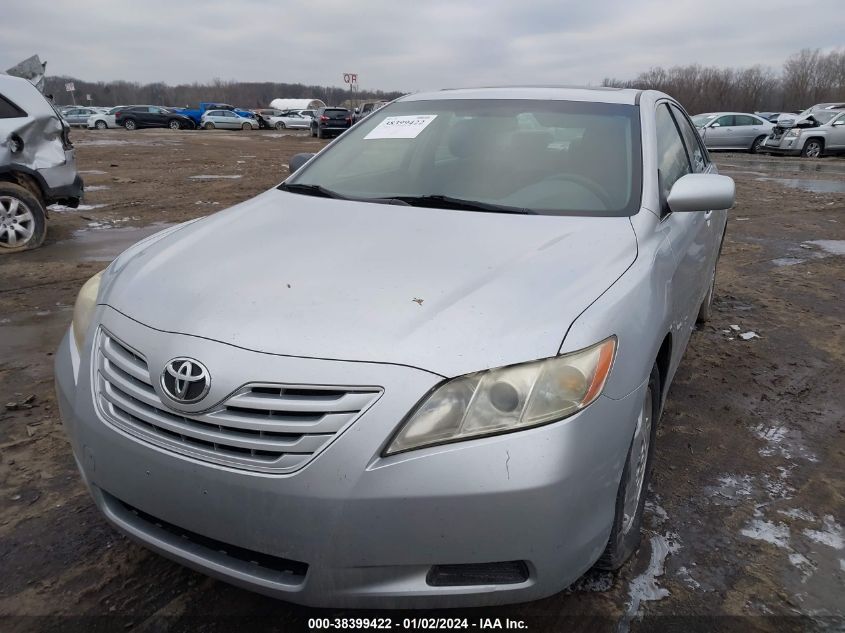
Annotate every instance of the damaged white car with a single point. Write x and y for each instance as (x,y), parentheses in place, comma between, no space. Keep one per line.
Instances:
(37,165)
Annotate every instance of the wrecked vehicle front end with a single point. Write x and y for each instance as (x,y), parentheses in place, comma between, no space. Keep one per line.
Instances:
(37,165)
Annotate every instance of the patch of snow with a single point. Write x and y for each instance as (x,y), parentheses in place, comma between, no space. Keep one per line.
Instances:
(683,574)
(796,513)
(97,188)
(805,565)
(747,336)
(834,247)
(760,530)
(830,534)
(644,588)
(215,177)
(92,171)
(60,208)
(788,261)
(735,328)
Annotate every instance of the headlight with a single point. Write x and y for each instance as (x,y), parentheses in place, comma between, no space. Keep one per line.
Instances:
(793,133)
(83,309)
(507,399)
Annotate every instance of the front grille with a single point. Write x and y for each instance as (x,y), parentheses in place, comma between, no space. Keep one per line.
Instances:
(263,427)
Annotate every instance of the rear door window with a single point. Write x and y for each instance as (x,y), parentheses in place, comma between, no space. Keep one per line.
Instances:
(743,119)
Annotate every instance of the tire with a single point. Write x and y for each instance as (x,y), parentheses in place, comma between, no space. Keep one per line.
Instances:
(246,126)
(23,223)
(813,148)
(757,144)
(280,125)
(625,532)
(100,125)
(706,309)
(208,125)
(320,133)
(173,124)
(130,124)
(313,131)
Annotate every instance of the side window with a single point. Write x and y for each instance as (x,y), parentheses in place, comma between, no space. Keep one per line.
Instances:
(726,121)
(742,119)
(9,110)
(672,160)
(695,150)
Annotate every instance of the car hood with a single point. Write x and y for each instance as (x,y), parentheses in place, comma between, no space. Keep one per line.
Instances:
(443,290)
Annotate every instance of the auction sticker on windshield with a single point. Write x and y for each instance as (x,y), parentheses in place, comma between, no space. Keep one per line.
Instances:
(401,126)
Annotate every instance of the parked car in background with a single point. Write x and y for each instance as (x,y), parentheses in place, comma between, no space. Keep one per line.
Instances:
(732,130)
(292,120)
(790,119)
(37,165)
(330,122)
(820,133)
(134,117)
(195,114)
(79,116)
(104,120)
(365,108)
(457,403)
(263,114)
(227,120)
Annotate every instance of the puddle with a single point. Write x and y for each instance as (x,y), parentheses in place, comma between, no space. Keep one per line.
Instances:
(214,177)
(788,261)
(807,184)
(92,171)
(100,246)
(787,166)
(96,188)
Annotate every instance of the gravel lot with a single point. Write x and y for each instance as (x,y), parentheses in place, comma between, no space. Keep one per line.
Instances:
(747,504)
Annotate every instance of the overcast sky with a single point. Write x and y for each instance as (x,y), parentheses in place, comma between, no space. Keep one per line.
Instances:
(407,44)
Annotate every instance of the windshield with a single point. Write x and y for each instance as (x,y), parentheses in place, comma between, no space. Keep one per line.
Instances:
(700,120)
(825,116)
(549,157)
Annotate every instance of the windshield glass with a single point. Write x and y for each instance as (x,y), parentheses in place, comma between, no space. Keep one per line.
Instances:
(700,120)
(550,157)
(825,116)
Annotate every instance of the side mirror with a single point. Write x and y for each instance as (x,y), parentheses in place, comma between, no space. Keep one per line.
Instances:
(701,192)
(839,122)
(299,160)
(715,125)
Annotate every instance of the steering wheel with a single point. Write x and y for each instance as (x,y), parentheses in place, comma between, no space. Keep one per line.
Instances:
(590,185)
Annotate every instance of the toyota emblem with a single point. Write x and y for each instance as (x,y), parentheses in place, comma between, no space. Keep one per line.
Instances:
(185,380)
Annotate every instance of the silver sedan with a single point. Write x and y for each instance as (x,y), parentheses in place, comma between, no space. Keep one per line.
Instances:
(227,120)
(429,372)
(733,130)
(289,120)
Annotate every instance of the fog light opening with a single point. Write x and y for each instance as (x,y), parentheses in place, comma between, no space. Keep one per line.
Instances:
(506,573)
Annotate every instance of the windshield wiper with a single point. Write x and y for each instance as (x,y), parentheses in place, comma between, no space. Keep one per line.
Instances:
(318,190)
(447,202)
(311,190)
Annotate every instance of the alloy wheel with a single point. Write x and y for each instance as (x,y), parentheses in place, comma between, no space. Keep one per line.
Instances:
(17,224)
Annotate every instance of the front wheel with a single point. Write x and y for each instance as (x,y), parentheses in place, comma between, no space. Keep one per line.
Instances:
(174,125)
(208,125)
(813,148)
(130,124)
(100,125)
(246,126)
(280,125)
(22,219)
(705,311)
(630,497)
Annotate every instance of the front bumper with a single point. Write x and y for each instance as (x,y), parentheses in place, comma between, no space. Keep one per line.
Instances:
(367,529)
(783,145)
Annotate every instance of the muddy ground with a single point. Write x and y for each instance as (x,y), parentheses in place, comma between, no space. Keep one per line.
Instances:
(747,502)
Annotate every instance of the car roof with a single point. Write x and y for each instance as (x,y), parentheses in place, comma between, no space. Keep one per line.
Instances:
(545,93)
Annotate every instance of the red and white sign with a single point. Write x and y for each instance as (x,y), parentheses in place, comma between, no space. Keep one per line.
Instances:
(350,78)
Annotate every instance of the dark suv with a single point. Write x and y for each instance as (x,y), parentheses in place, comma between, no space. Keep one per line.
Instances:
(330,122)
(37,165)
(134,117)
